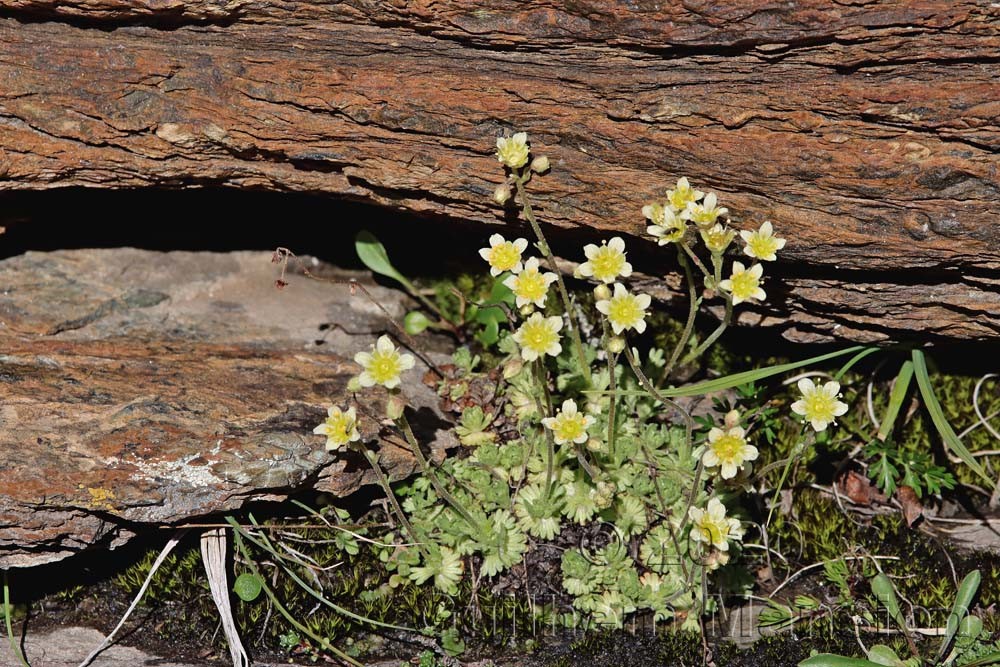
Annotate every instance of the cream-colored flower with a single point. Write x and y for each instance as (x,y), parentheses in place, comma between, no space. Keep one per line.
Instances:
(667,227)
(538,336)
(718,238)
(569,424)
(340,428)
(383,365)
(606,262)
(682,195)
(625,310)
(729,450)
(819,405)
(762,244)
(706,213)
(513,151)
(744,283)
(712,527)
(530,285)
(504,255)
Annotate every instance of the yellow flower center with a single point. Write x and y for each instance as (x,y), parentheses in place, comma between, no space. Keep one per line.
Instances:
(744,285)
(384,366)
(820,406)
(338,428)
(607,263)
(505,256)
(762,246)
(531,285)
(625,311)
(680,197)
(712,531)
(729,448)
(717,241)
(568,428)
(538,337)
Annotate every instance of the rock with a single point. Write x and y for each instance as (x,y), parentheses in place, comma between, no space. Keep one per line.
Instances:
(66,647)
(867,132)
(144,388)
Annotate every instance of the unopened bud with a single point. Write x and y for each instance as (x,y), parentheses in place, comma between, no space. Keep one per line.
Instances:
(616,345)
(595,445)
(394,407)
(512,367)
(732,419)
(526,309)
(602,293)
(502,194)
(354,385)
(540,164)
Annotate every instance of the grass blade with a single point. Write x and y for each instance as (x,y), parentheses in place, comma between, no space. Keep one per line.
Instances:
(6,617)
(896,399)
(948,436)
(963,599)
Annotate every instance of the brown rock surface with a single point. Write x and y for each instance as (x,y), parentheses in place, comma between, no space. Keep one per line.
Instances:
(868,132)
(148,388)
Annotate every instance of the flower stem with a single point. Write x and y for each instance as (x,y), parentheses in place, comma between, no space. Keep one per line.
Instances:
(693,303)
(613,397)
(550,443)
(714,336)
(543,246)
(425,465)
(383,481)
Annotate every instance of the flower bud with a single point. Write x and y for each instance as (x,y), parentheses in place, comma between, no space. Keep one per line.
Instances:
(595,445)
(502,194)
(394,407)
(354,385)
(732,419)
(512,367)
(540,164)
(602,293)
(616,344)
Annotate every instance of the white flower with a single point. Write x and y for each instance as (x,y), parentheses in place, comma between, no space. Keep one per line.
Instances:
(712,527)
(538,336)
(729,450)
(744,283)
(530,285)
(819,405)
(513,151)
(569,425)
(504,255)
(383,365)
(606,262)
(625,310)
(667,226)
(718,238)
(682,195)
(762,244)
(706,213)
(340,428)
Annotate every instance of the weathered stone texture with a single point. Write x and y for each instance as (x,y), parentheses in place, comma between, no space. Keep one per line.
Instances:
(867,132)
(150,388)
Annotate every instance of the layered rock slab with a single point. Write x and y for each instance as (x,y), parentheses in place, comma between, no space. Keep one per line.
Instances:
(143,388)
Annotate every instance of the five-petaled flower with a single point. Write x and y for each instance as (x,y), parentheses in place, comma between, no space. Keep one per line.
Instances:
(569,424)
(704,214)
(729,450)
(606,262)
(744,283)
(504,255)
(683,194)
(762,244)
(513,151)
(383,365)
(538,336)
(718,238)
(712,527)
(530,285)
(340,428)
(819,405)
(667,227)
(625,310)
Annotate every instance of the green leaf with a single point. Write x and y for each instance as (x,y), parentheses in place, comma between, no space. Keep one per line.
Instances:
(853,360)
(883,655)
(415,322)
(248,587)
(373,255)
(896,399)
(948,436)
(452,642)
(886,594)
(830,660)
(963,600)
(737,379)
(968,631)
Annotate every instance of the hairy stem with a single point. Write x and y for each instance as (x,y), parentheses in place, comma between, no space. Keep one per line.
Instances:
(693,303)
(714,336)
(383,481)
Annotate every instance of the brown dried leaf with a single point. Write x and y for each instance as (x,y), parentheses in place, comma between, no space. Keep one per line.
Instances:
(913,509)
